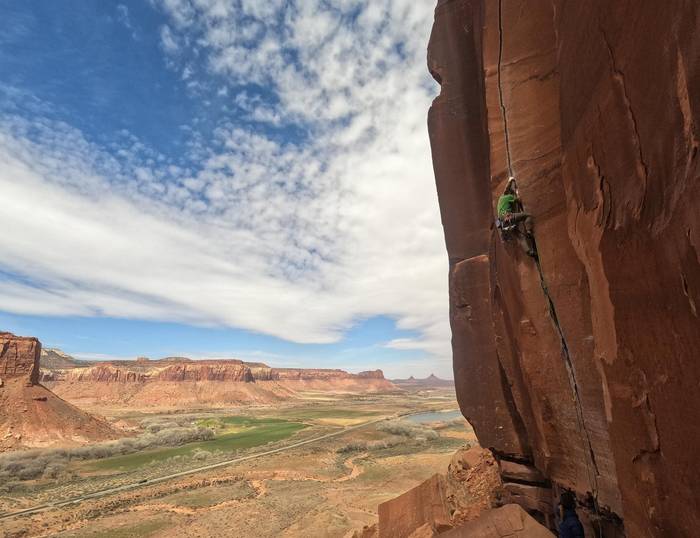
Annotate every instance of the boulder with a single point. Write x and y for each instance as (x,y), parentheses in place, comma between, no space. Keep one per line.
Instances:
(423,505)
(531,498)
(509,521)
(511,470)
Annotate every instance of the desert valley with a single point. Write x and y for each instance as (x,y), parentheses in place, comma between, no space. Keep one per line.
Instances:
(273,304)
(203,447)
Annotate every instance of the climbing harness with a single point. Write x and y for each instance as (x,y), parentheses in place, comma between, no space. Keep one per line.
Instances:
(585,436)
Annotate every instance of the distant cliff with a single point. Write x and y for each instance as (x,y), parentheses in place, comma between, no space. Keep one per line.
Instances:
(586,366)
(179,381)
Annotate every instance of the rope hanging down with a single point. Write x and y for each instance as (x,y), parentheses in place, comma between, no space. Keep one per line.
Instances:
(504,114)
(583,432)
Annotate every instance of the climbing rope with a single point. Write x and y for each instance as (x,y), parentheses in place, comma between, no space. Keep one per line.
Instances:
(585,436)
(504,114)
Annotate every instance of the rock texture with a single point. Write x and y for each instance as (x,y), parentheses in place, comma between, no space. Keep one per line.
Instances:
(31,415)
(443,502)
(509,521)
(19,357)
(424,505)
(584,366)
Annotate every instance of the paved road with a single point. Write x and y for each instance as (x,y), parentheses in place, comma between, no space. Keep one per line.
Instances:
(149,482)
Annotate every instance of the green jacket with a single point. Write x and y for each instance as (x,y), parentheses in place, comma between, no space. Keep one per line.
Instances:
(506,204)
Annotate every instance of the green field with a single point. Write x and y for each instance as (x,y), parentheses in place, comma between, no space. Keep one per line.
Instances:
(233,433)
(326,413)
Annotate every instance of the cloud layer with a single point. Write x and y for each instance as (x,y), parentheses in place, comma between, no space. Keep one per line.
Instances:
(310,208)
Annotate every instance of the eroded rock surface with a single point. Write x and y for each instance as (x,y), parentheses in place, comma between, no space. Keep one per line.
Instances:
(509,521)
(443,502)
(19,358)
(584,367)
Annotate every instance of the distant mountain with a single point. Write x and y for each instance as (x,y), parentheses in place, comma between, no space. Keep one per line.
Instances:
(432,381)
(57,359)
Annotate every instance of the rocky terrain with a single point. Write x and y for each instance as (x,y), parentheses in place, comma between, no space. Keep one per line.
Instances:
(183,382)
(30,414)
(581,366)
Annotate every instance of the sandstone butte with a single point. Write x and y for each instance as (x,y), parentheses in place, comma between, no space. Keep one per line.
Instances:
(583,370)
(30,414)
(180,382)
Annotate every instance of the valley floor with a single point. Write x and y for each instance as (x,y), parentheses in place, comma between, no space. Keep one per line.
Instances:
(328,487)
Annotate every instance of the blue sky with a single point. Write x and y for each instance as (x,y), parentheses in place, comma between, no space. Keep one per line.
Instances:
(222,178)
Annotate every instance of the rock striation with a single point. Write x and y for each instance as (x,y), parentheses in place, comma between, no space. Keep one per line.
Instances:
(581,366)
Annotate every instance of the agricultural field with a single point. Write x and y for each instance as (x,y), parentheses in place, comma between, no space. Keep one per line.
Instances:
(325,464)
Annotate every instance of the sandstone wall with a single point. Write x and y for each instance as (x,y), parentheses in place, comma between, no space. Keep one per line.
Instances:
(584,366)
(372,374)
(284,374)
(19,358)
(183,369)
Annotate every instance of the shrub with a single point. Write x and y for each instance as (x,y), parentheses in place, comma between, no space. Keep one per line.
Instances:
(51,463)
(416,432)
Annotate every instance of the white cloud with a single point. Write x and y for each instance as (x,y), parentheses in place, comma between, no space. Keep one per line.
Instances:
(167,40)
(124,18)
(298,239)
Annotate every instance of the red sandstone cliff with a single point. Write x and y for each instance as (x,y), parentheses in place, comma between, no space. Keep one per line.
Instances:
(19,357)
(31,415)
(179,381)
(587,369)
(142,370)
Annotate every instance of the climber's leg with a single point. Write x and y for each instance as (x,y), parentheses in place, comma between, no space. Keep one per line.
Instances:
(524,243)
(524,219)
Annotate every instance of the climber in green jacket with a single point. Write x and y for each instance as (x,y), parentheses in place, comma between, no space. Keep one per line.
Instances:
(513,221)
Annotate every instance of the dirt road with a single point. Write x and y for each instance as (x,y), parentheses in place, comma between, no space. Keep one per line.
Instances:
(142,483)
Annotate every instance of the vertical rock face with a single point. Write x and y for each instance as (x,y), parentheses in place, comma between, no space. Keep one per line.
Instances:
(586,365)
(19,357)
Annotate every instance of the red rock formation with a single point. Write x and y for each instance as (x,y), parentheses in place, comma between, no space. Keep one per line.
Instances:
(19,357)
(235,371)
(425,504)
(31,415)
(373,374)
(509,521)
(585,366)
(470,489)
(308,374)
(178,381)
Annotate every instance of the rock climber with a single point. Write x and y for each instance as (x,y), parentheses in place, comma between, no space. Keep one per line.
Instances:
(513,221)
(570,526)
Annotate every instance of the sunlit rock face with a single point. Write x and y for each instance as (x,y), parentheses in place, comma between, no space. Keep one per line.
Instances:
(19,358)
(587,369)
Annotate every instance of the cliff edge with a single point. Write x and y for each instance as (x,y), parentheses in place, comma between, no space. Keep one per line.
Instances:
(582,365)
